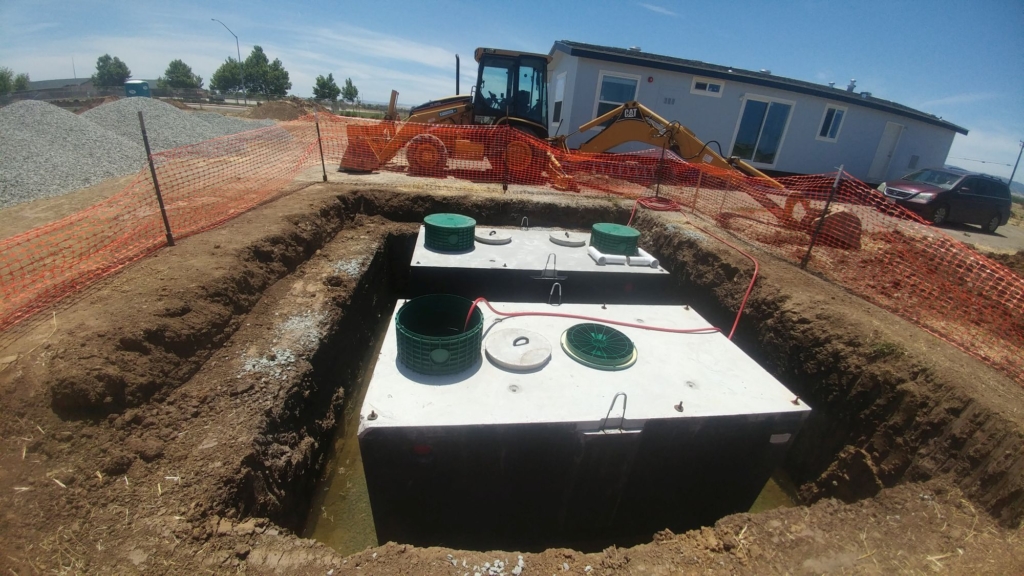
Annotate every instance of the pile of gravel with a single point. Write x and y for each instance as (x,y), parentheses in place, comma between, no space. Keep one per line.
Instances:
(167,126)
(223,125)
(47,151)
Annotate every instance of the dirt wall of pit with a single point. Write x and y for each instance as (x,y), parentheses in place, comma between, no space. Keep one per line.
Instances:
(202,385)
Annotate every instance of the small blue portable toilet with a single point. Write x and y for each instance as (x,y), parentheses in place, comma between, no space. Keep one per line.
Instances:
(136,88)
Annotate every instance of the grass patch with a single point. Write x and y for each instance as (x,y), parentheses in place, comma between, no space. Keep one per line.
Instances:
(885,349)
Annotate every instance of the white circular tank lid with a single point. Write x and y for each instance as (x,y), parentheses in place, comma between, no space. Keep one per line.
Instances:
(492,236)
(570,239)
(518,350)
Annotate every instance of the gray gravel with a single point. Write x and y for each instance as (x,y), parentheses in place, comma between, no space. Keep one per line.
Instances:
(223,125)
(46,151)
(167,126)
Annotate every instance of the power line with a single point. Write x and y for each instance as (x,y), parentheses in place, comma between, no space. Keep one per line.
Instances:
(982,161)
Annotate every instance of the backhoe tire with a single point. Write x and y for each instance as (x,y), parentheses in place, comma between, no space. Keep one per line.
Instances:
(427,156)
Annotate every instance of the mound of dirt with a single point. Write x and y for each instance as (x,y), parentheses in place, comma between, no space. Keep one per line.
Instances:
(177,104)
(95,102)
(284,110)
(1014,262)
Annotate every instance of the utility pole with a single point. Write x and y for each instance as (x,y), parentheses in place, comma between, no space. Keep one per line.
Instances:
(1017,162)
(241,69)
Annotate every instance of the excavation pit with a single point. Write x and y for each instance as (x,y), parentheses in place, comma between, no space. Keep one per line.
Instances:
(219,372)
(818,464)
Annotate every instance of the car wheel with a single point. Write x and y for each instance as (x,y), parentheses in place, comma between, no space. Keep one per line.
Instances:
(993,224)
(940,214)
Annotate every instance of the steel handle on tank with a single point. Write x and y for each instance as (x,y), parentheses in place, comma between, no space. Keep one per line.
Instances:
(521,341)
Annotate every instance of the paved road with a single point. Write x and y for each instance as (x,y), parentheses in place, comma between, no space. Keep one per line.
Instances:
(1007,238)
(220,107)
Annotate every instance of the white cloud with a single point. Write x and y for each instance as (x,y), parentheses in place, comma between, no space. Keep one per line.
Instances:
(956,99)
(376,62)
(370,44)
(658,9)
(992,150)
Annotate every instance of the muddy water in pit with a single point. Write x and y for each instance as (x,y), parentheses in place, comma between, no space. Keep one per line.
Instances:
(340,515)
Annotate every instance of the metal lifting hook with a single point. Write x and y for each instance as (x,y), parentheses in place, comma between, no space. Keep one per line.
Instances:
(604,424)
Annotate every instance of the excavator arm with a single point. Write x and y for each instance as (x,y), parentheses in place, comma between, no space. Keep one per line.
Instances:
(634,122)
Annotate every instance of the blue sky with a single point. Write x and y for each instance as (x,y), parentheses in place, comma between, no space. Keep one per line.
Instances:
(963,61)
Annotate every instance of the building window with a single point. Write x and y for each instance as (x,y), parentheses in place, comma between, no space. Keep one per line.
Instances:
(831,122)
(707,87)
(614,90)
(669,101)
(914,159)
(761,129)
(556,113)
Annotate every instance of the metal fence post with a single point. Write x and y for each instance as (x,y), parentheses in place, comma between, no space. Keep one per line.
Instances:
(156,185)
(821,220)
(316,118)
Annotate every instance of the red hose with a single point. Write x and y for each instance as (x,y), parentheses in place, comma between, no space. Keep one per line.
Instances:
(707,330)
(665,205)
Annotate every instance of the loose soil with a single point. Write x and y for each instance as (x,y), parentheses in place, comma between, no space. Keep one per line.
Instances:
(91,103)
(24,217)
(174,419)
(284,110)
(1014,261)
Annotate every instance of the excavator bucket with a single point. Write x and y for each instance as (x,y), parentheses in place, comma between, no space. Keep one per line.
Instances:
(364,143)
(841,229)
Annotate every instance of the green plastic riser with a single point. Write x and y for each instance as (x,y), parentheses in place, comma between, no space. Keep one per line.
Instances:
(430,335)
(614,239)
(449,232)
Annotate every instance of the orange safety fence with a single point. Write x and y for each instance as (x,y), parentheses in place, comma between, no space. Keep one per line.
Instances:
(874,248)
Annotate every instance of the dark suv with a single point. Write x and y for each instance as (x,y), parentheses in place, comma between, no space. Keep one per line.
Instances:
(951,195)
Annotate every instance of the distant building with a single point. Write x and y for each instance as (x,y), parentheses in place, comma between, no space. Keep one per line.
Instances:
(63,83)
(780,125)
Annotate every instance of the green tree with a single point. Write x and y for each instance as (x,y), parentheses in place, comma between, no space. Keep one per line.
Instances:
(349,93)
(21,82)
(326,88)
(6,80)
(110,71)
(263,76)
(227,78)
(256,67)
(278,83)
(179,75)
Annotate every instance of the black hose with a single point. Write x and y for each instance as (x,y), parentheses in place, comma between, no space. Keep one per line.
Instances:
(701,151)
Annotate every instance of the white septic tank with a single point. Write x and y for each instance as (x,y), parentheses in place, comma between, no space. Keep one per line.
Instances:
(580,424)
(537,265)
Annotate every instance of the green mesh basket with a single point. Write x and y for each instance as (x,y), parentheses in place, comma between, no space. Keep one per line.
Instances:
(431,339)
(599,346)
(614,239)
(449,232)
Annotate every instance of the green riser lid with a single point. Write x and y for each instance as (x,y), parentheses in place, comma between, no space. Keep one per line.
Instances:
(449,232)
(599,346)
(614,239)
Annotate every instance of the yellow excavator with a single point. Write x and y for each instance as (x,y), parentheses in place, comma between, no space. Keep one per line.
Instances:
(511,89)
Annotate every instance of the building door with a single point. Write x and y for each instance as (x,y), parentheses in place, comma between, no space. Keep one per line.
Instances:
(886,148)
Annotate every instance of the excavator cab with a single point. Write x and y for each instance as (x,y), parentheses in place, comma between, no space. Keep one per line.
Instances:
(512,88)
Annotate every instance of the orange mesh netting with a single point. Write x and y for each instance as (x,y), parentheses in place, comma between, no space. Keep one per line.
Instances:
(875,249)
